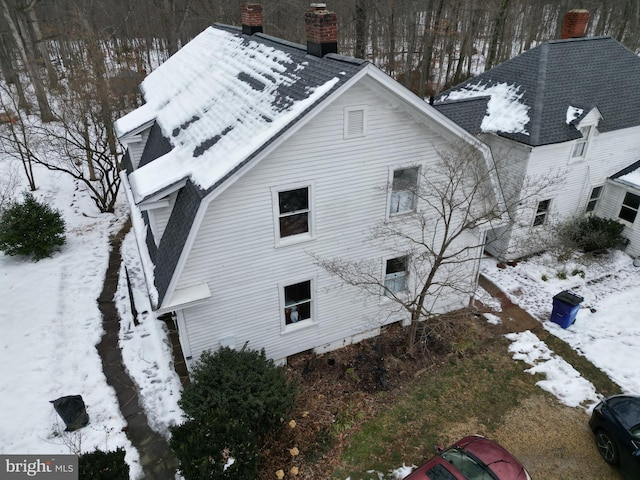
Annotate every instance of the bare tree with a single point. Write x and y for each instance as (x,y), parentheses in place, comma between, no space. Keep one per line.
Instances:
(16,141)
(437,247)
(27,55)
(76,144)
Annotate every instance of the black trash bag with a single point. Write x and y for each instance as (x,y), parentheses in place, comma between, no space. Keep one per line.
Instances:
(72,410)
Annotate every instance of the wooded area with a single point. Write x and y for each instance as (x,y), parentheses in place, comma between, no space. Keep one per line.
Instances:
(438,41)
(82,60)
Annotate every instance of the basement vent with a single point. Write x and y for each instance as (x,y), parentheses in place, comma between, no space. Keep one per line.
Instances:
(355,123)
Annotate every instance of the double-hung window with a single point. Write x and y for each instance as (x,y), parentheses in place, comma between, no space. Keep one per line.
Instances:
(580,147)
(395,277)
(541,212)
(630,206)
(403,190)
(596,193)
(293,212)
(297,302)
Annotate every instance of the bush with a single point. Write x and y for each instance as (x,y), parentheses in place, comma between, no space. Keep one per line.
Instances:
(31,228)
(101,465)
(243,384)
(234,399)
(204,449)
(591,233)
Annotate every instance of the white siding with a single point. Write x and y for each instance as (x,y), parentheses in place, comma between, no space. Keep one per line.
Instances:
(609,207)
(161,216)
(511,160)
(137,148)
(607,154)
(236,253)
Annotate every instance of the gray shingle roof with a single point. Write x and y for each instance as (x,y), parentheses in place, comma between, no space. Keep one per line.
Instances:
(299,74)
(584,73)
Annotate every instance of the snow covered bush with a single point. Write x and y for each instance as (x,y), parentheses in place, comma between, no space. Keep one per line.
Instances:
(235,398)
(31,228)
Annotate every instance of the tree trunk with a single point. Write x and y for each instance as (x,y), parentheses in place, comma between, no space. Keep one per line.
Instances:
(41,44)
(11,76)
(29,62)
(497,34)
(361,28)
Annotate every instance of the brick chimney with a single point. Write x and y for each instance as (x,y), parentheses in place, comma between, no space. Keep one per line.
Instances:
(321,26)
(575,24)
(251,17)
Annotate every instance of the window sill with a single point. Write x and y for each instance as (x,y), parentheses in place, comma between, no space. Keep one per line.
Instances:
(295,327)
(294,240)
(626,223)
(393,216)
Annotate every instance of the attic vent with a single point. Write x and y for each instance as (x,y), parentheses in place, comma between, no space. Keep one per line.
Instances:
(355,122)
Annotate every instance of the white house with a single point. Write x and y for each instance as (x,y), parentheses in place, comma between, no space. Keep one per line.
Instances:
(251,152)
(570,106)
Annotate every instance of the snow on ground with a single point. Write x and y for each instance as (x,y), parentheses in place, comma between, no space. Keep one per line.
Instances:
(606,330)
(51,324)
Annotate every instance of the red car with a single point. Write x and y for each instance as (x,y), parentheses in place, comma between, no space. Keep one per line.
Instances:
(472,458)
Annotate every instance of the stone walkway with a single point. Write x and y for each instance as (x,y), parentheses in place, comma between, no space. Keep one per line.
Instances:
(158,461)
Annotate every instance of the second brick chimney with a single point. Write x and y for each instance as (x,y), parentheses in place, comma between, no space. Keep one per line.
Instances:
(251,17)
(575,24)
(321,26)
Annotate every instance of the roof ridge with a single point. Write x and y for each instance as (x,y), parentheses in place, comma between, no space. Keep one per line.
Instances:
(579,39)
(286,43)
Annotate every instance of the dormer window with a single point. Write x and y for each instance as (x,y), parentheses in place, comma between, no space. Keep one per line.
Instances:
(580,147)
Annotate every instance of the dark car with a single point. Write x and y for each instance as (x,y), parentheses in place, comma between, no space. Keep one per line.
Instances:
(615,422)
(472,458)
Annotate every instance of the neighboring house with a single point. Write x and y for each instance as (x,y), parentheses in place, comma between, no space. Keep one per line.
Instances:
(570,106)
(251,152)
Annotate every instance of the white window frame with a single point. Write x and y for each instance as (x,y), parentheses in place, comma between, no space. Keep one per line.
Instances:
(594,200)
(581,145)
(275,201)
(301,324)
(395,275)
(390,197)
(348,133)
(628,207)
(544,214)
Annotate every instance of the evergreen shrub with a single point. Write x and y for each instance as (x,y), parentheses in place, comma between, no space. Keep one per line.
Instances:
(592,233)
(234,399)
(31,228)
(217,447)
(101,465)
(242,383)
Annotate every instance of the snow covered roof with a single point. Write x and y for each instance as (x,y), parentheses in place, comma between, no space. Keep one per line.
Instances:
(221,98)
(629,176)
(535,96)
(211,108)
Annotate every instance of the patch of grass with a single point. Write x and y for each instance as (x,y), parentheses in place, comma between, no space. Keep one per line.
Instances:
(603,384)
(577,272)
(478,388)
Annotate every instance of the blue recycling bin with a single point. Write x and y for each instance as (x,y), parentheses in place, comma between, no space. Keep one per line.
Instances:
(565,308)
